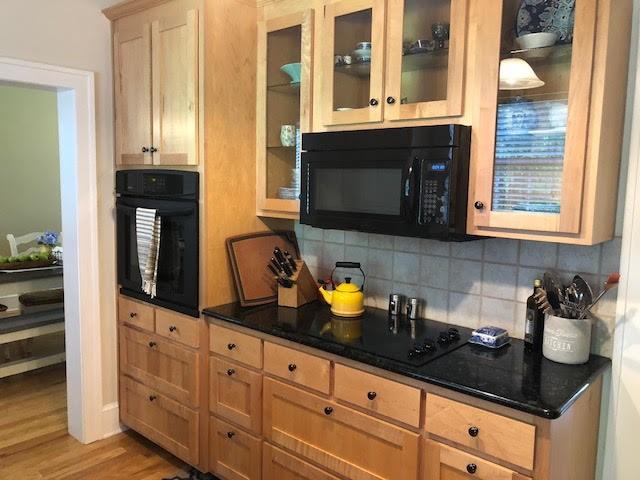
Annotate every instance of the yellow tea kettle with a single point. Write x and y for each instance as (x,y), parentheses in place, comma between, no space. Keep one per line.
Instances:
(347,300)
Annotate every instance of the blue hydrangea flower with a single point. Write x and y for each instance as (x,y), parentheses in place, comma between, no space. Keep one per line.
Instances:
(48,238)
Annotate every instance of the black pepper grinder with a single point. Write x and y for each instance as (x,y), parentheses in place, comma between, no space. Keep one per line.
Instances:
(534,323)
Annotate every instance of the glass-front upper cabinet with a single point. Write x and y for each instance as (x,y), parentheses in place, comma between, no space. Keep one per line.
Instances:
(425,58)
(283,110)
(534,114)
(353,62)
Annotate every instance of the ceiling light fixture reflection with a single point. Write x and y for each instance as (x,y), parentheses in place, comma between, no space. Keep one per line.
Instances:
(517,74)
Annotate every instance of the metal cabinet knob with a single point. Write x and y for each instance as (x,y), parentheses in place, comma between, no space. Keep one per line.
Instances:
(173,328)
(152,344)
(471,468)
(373,102)
(372,395)
(292,367)
(478,205)
(328,410)
(231,434)
(231,371)
(231,346)
(153,149)
(152,398)
(473,431)
(391,100)
(133,315)
(145,150)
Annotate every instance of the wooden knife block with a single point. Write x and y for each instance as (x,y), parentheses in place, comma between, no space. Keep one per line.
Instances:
(304,290)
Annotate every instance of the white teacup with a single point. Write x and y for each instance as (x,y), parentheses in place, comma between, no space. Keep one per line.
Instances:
(288,135)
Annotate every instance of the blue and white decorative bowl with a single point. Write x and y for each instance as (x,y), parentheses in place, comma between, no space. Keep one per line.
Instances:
(556,16)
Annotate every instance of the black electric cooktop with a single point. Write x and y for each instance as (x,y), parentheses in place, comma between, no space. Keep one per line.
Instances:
(409,342)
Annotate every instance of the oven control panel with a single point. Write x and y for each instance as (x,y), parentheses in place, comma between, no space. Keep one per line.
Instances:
(435,189)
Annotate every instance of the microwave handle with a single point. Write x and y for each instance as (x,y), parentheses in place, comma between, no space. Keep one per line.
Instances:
(410,186)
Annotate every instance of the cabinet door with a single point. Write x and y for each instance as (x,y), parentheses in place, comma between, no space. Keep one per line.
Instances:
(353,62)
(344,441)
(279,465)
(530,125)
(171,369)
(285,62)
(235,393)
(426,56)
(234,454)
(132,77)
(169,424)
(442,462)
(175,89)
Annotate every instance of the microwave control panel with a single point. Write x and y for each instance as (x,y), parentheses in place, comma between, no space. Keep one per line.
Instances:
(434,192)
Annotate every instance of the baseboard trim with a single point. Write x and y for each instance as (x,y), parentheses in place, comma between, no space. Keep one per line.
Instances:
(111,420)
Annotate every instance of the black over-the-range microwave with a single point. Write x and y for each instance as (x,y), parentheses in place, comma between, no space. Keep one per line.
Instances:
(399,181)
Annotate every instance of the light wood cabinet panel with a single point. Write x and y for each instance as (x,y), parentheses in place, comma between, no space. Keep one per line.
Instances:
(164,421)
(181,328)
(378,395)
(234,454)
(279,465)
(175,89)
(235,393)
(136,314)
(298,367)
(346,442)
(428,84)
(237,346)
(353,93)
(132,78)
(443,462)
(504,438)
(170,369)
(284,40)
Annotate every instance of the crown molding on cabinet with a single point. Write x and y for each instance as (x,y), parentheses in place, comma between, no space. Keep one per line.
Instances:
(129,7)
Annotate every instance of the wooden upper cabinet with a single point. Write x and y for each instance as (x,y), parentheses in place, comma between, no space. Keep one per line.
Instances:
(547,126)
(132,63)
(156,86)
(174,43)
(352,87)
(426,42)
(284,79)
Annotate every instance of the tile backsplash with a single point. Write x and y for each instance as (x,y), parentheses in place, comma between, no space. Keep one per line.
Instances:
(484,282)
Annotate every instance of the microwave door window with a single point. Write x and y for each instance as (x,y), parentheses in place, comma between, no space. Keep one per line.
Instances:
(367,191)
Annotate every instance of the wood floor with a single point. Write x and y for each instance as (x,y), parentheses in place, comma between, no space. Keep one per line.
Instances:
(34,443)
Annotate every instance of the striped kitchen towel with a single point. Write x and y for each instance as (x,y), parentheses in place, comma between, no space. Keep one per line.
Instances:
(148,237)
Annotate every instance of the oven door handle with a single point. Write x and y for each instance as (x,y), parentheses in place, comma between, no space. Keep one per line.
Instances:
(163,213)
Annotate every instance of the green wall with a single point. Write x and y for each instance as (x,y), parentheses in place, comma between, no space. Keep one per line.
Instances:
(29,163)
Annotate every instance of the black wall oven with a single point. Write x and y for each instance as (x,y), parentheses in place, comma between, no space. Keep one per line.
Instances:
(401,181)
(174,194)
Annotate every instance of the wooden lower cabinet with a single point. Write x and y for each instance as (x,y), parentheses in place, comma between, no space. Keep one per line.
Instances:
(235,393)
(164,421)
(279,465)
(167,367)
(344,441)
(233,453)
(443,462)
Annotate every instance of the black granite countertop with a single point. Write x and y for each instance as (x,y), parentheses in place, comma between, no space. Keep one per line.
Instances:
(508,376)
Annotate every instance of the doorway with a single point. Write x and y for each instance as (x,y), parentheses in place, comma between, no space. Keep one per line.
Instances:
(74,91)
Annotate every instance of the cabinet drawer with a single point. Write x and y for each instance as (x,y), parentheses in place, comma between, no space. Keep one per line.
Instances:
(298,367)
(233,454)
(502,437)
(236,346)
(164,421)
(235,394)
(169,368)
(379,395)
(345,442)
(136,314)
(279,465)
(178,327)
(443,462)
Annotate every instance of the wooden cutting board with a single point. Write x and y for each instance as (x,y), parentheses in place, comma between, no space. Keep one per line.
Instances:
(249,255)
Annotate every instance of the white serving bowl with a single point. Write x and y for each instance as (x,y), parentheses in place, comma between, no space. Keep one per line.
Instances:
(537,40)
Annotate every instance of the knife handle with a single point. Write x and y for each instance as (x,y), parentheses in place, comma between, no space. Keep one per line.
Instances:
(275,263)
(273,270)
